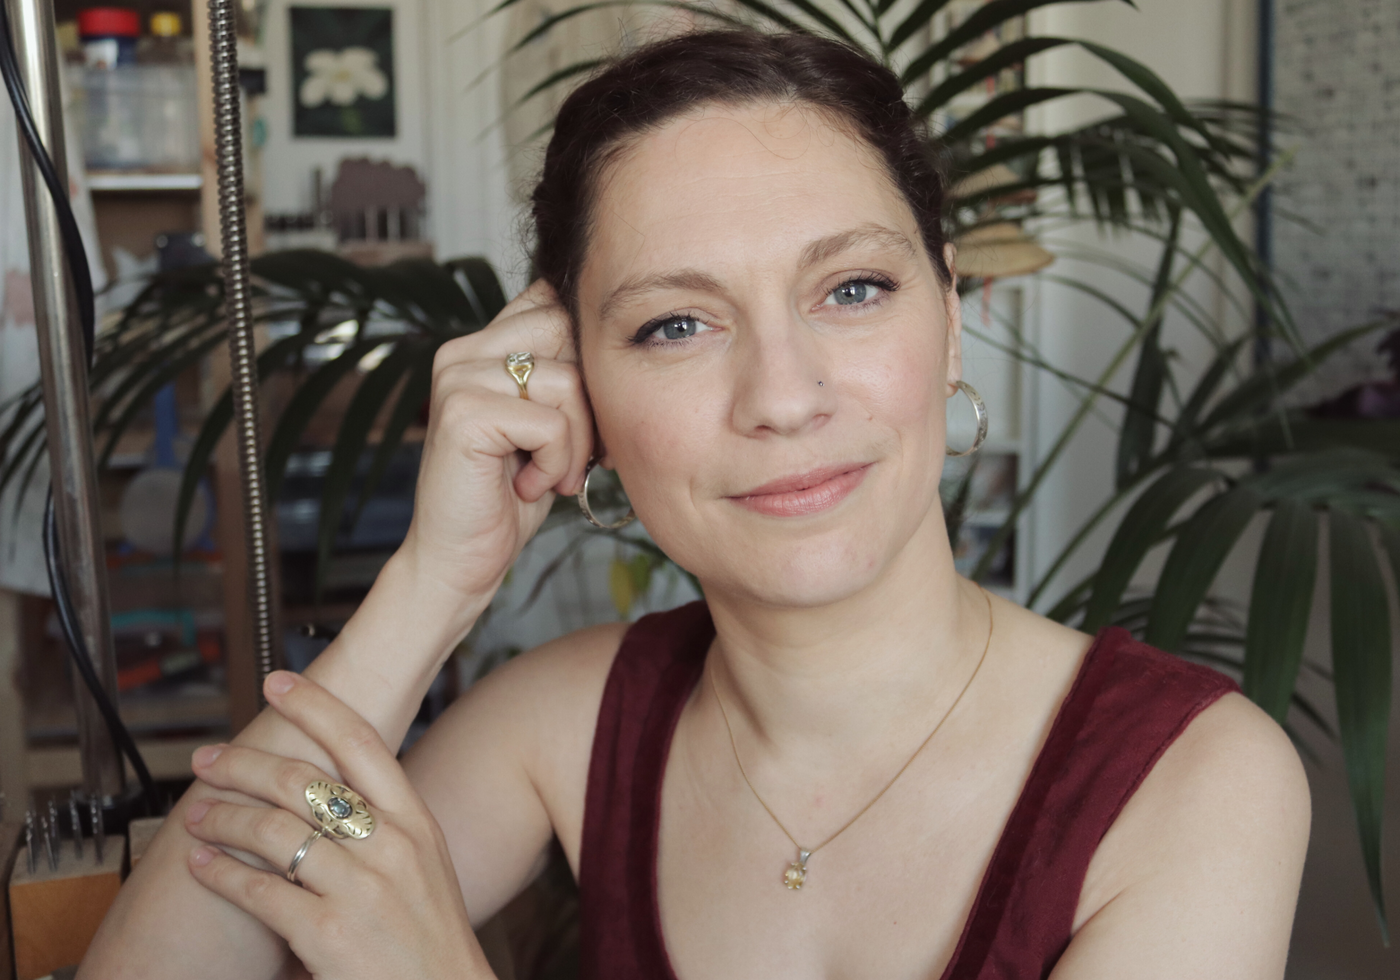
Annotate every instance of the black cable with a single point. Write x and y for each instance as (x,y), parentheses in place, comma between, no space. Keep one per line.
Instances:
(67,223)
(76,258)
(68,620)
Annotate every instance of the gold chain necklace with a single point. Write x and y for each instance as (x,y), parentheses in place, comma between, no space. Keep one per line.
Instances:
(796,874)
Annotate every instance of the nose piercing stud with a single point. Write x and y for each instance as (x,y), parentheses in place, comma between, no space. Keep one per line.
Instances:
(821,384)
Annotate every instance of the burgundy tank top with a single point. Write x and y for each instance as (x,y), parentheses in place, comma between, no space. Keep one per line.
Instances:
(1128,703)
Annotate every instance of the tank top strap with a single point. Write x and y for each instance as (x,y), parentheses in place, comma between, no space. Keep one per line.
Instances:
(1127,705)
(656,668)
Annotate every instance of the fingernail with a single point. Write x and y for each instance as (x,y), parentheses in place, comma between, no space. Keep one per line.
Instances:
(197,811)
(205,755)
(280,681)
(201,856)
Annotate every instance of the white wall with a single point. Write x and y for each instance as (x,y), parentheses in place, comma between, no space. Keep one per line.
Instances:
(445,124)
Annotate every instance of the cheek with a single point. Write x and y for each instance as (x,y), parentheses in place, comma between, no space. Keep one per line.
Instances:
(655,431)
(899,381)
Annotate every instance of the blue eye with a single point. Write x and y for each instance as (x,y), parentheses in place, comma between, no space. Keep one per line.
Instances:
(859,292)
(678,328)
(851,293)
(673,326)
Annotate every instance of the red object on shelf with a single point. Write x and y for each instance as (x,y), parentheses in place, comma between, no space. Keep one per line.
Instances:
(109,22)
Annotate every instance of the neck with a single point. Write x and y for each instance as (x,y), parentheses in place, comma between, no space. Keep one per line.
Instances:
(869,670)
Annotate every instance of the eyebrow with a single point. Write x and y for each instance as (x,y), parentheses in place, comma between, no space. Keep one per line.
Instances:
(814,252)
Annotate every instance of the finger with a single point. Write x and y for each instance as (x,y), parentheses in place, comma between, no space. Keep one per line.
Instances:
(364,761)
(552,384)
(274,835)
(544,330)
(271,899)
(274,779)
(506,424)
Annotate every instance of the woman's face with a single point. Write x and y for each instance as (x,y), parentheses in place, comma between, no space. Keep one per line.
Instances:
(768,352)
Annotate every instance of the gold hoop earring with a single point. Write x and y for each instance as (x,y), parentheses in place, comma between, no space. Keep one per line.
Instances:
(978,406)
(628,518)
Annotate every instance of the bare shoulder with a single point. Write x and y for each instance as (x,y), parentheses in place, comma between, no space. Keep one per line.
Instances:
(1205,860)
(544,699)
(505,769)
(1232,776)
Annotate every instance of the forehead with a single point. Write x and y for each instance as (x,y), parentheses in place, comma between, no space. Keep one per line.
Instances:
(737,188)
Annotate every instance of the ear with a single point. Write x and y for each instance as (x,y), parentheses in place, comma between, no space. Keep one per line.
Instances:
(953,315)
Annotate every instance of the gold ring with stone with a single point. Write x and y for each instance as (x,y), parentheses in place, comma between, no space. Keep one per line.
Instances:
(301,853)
(519,366)
(339,810)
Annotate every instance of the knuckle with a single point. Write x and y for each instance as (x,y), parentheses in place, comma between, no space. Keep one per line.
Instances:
(293,777)
(256,888)
(359,735)
(267,826)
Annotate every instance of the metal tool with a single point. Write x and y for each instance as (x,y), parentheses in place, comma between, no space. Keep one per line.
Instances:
(77,821)
(46,831)
(238,302)
(99,832)
(29,838)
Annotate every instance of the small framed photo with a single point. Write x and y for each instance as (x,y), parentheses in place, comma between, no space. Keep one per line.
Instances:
(343,71)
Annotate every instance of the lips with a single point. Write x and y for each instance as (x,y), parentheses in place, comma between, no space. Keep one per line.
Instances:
(804,493)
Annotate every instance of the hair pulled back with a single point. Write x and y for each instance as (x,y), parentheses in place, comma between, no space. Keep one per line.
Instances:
(648,87)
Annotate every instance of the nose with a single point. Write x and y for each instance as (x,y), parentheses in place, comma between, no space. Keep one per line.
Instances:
(779,364)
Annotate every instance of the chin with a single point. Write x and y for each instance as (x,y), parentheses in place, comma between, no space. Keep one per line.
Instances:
(788,571)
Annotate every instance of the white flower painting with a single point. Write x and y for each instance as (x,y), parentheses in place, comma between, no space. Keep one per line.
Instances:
(341,77)
(343,72)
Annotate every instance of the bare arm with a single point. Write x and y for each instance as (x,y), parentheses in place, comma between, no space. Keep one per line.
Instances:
(1199,875)
(490,463)
(164,923)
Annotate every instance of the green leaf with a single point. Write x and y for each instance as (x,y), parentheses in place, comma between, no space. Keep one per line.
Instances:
(1298,433)
(164,373)
(1007,56)
(563,74)
(1269,383)
(359,418)
(1361,666)
(1139,430)
(276,355)
(303,406)
(1318,477)
(1184,429)
(1280,606)
(999,107)
(1140,529)
(414,393)
(1200,549)
(478,281)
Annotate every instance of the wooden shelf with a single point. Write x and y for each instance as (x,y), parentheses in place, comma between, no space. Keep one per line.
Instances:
(121,181)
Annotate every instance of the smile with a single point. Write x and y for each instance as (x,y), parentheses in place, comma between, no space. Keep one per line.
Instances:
(806,493)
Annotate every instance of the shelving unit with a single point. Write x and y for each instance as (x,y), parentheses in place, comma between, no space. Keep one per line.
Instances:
(105,181)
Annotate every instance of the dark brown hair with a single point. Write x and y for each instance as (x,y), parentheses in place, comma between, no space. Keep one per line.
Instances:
(653,84)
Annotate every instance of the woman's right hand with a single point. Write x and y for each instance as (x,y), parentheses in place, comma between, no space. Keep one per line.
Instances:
(493,460)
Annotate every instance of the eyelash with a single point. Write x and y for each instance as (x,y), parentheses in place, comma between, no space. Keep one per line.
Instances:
(644,336)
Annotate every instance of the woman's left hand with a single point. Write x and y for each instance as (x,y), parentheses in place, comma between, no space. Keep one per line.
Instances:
(388,905)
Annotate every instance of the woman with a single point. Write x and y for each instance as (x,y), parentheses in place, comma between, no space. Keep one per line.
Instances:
(849,761)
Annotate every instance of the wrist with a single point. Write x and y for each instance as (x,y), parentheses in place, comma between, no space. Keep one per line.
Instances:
(418,596)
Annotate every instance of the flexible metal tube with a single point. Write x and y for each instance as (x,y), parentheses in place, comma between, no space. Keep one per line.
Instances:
(228,145)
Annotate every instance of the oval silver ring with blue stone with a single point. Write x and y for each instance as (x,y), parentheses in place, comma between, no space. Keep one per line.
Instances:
(339,810)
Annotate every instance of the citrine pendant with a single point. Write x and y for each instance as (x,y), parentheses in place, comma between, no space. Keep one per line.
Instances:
(796,874)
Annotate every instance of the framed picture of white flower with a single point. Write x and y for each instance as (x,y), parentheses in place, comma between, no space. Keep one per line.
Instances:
(343,71)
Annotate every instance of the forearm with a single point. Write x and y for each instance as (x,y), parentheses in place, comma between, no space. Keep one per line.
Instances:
(164,923)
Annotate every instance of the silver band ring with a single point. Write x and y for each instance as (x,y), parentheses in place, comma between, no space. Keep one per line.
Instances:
(301,853)
(519,366)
